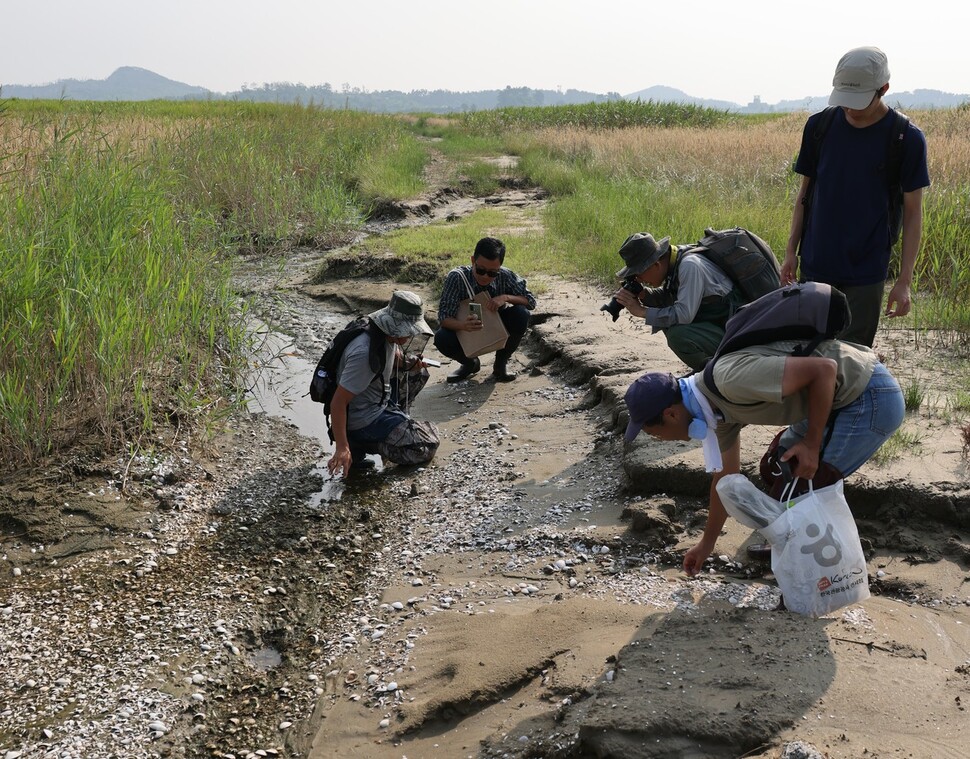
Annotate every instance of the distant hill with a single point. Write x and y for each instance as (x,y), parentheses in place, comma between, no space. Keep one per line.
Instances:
(660,94)
(127,83)
(132,83)
(417,101)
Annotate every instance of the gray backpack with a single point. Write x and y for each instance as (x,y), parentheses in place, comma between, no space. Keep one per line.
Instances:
(744,257)
(809,312)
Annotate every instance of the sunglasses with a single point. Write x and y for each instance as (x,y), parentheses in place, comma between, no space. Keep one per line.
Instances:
(486,272)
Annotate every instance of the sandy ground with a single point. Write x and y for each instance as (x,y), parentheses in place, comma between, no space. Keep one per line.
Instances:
(637,659)
(521,596)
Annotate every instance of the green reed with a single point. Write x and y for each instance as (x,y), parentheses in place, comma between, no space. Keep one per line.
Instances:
(116,307)
(615,114)
(101,301)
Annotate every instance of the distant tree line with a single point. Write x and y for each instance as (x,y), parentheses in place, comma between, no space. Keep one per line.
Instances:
(423,101)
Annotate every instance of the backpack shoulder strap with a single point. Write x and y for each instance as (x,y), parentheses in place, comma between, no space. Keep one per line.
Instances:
(671,282)
(894,154)
(378,355)
(818,137)
(818,134)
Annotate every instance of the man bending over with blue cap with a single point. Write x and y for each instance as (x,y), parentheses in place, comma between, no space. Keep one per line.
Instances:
(840,403)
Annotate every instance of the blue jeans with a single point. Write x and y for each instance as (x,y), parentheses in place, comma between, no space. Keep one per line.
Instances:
(861,427)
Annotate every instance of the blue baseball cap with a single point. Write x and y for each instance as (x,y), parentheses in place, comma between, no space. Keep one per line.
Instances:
(647,397)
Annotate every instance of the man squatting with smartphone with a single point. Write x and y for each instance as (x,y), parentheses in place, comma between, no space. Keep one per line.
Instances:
(509,296)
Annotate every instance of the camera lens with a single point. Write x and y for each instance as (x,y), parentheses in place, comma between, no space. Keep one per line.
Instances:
(613,308)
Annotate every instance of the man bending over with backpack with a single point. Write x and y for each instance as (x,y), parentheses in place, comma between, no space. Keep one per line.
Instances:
(765,384)
(688,298)
(367,412)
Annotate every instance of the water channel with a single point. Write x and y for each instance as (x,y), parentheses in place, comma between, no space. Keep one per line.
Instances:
(280,380)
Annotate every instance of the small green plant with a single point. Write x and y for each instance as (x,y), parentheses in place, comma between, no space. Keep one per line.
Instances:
(479,178)
(965,431)
(961,401)
(914,394)
(899,443)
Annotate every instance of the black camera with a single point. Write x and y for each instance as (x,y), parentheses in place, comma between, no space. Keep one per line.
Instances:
(614,306)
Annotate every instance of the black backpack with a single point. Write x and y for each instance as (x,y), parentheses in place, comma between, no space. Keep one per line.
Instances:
(323,384)
(892,168)
(811,311)
(743,256)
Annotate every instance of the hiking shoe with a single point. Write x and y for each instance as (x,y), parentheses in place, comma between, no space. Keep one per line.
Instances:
(466,370)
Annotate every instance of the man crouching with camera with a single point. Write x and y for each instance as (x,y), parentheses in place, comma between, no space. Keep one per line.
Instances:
(688,298)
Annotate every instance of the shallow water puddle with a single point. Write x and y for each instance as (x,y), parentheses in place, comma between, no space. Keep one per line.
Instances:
(266,658)
(281,383)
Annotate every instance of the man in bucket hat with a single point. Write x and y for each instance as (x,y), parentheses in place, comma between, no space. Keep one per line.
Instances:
(765,384)
(863,170)
(371,398)
(688,298)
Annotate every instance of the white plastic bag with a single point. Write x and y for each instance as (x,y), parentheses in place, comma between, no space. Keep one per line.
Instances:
(816,555)
(743,501)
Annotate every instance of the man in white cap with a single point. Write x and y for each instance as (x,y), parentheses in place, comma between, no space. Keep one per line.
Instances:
(366,408)
(863,168)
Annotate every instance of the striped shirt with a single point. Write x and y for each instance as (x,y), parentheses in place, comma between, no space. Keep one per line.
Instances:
(454,290)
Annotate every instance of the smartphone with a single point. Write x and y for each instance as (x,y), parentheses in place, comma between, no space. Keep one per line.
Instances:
(431,362)
(476,310)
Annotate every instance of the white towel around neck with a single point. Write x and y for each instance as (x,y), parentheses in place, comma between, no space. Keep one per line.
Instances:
(712,451)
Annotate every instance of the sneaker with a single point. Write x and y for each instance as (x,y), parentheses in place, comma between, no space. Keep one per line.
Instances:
(759,552)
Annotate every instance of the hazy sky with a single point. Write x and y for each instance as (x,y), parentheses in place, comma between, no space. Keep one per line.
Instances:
(727,49)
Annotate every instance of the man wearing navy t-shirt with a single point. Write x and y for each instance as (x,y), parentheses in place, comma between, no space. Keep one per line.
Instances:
(841,226)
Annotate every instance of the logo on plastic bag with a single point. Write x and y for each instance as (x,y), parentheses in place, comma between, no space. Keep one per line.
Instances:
(846,581)
(827,551)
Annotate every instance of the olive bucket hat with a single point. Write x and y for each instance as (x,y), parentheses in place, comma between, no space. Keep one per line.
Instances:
(639,252)
(403,316)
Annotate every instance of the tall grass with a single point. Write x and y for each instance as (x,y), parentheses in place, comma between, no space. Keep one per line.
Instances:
(616,114)
(674,181)
(105,313)
(274,176)
(116,310)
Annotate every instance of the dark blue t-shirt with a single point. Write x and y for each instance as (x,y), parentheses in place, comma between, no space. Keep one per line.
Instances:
(846,240)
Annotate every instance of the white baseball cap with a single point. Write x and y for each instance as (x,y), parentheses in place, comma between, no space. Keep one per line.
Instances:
(861,72)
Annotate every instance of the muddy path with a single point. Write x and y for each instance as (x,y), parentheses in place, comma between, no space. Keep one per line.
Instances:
(520,596)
